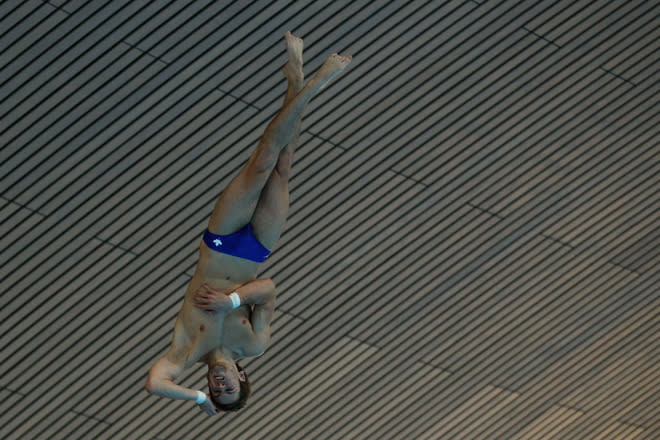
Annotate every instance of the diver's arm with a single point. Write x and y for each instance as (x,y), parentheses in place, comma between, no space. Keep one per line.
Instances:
(258,292)
(264,298)
(164,371)
(160,382)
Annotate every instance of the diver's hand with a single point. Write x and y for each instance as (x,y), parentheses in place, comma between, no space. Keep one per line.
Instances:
(211,301)
(208,407)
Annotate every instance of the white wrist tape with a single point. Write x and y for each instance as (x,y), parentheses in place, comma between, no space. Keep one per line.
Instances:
(201,398)
(235,300)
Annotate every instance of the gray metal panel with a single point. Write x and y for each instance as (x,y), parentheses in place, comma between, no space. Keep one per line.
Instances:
(71,423)
(641,255)
(471,249)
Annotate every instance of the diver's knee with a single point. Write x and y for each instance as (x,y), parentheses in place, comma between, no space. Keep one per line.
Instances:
(262,161)
(284,160)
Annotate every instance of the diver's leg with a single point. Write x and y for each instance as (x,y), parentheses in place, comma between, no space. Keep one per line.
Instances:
(270,214)
(238,202)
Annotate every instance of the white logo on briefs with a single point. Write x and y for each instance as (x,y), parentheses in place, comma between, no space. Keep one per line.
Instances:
(217,242)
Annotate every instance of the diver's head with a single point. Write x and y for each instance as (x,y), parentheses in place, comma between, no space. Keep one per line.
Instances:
(229,387)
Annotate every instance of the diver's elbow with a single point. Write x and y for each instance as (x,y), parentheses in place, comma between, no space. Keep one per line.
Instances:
(150,385)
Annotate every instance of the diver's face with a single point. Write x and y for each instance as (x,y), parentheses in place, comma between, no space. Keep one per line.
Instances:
(224,385)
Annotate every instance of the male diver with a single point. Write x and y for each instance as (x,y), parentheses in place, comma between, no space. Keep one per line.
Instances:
(226,312)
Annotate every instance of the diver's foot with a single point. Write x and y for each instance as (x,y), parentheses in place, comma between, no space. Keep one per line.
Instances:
(332,67)
(293,68)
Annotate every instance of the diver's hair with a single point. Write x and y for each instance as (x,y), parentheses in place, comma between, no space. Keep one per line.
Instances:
(243,395)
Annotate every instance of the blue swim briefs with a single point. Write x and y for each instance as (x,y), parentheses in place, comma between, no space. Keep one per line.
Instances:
(241,244)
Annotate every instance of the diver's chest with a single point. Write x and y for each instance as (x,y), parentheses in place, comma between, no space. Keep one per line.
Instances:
(233,331)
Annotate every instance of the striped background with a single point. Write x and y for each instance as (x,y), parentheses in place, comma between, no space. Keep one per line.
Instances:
(472,249)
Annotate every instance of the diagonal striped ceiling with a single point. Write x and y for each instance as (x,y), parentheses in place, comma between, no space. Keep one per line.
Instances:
(473,242)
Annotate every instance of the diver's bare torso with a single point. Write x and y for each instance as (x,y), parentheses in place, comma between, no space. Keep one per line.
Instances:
(203,332)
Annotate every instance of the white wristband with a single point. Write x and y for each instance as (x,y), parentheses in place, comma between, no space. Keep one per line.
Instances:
(235,300)
(201,398)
